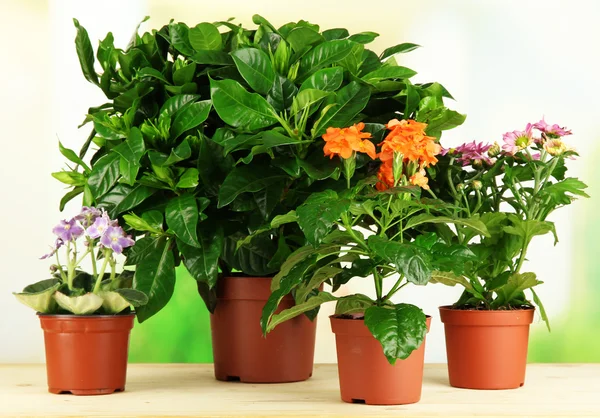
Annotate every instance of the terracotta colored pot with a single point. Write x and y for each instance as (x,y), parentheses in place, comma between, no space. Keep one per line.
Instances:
(86,355)
(239,349)
(365,374)
(486,349)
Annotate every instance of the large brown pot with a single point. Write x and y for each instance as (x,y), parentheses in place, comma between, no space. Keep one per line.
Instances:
(486,349)
(239,349)
(365,374)
(86,355)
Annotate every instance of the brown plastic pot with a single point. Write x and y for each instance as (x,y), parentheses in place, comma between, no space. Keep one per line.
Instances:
(240,351)
(486,349)
(86,355)
(365,374)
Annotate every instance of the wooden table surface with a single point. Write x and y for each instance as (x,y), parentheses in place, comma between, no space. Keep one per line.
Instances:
(189,390)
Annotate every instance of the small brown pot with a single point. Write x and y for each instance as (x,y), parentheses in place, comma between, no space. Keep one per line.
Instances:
(486,349)
(86,355)
(365,374)
(240,351)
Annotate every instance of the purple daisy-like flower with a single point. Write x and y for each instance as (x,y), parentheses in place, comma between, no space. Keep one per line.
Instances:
(99,227)
(88,215)
(473,153)
(57,244)
(115,239)
(516,141)
(553,131)
(68,230)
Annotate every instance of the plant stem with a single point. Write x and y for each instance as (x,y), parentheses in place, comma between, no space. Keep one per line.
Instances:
(378,285)
(101,274)
(60,269)
(70,267)
(395,289)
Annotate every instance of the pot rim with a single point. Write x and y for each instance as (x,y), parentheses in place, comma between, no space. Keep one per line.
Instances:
(335,316)
(73,316)
(449,308)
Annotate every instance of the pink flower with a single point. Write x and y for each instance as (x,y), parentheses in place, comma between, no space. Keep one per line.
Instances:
(473,153)
(516,141)
(553,131)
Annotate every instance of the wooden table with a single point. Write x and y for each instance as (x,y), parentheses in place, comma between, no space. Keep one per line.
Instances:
(189,390)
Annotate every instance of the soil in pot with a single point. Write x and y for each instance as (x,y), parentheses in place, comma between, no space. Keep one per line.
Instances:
(486,349)
(365,374)
(240,351)
(86,355)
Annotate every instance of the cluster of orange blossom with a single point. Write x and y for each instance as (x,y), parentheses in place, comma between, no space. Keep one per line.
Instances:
(406,139)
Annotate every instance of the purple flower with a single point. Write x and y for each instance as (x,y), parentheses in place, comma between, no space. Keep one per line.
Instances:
(516,141)
(88,215)
(68,230)
(473,153)
(100,225)
(59,243)
(115,239)
(553,131)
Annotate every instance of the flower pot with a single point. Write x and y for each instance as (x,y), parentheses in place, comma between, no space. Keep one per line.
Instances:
(240,351)
(86,355)
(486,349)
(365,374)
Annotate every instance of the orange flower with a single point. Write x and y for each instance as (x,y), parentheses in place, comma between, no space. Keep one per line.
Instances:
(408,138)
(385,176)
(420,179)
(345,141)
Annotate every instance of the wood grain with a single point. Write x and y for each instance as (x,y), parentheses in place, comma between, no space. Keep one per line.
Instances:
(189,390)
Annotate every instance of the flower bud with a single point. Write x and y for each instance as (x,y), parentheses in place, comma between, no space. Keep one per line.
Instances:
(477,185)
(494,150)
(53,268)
(555,147)
(460,187)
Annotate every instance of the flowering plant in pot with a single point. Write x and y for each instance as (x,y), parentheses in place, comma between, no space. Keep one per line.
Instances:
(511,189)
(209,136)
(86,317)
(374,228)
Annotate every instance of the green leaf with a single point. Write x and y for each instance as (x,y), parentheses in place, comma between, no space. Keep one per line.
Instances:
(139,224)
(104,175)
(284,219)
(79,305)
(388,72)
(71,178)
(134,297)
(354,59)
(85,53)
(240,109)
(448,119)
(397,49)
(175,103)
(131,151)
(72,156)
(179,38)
(349,101)
(246,179)
(179,153)
(142,249)
(256,68)
(449,279)
(527,228)
(282,94)
(189,179)
(558,192)
(513,288)
(40,296)
(310,304)
(306,99)
(410,260)
(364,37)
(113,302)
(336,33)
(182,217)
(301,37)
(123,198)
(212,58)
(318,214)
(190,117)
(400,329)
(323,55)
(474,224)
(205,36)
(353,304)
(69,196)
(321,275)
(155,276)
(538,302)
(327,79)
(203,262)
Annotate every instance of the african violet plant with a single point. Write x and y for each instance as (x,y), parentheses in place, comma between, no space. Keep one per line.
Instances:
(211,132)
(72,290)
(512,189)
(374,228)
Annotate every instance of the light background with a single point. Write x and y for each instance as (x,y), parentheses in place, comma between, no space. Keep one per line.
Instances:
(506,62)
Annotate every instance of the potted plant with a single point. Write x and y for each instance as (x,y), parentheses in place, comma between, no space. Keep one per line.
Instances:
(209,137)
(372,229)
(86,317)
(511,189)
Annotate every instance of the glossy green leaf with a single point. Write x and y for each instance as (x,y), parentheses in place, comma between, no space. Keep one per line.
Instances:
(189,179)
(284,219)
(282,93)
(122,198)
(318,214)
(327,79)
(140,224)
(208,57)
(336,33)
(539,304)
(400,329)
(72,156)
(190,117)
(142,249)
(353,304)
(182,217)
(306,99)
(301,37)
(350,100)
(398,49)
(175,103)
(240,109)
(299,309)
(256,68)
(353,61)
(85,53)
(560,192)
(72,178)
(203,262)
(449,279)
(79,305)
(410,260)
(205,36)
(134,297)
(131,151)
(513,288)
(179,38)
(104,174)
(185,74)
(323,55)
(320,276)
(246,179)
(474,224)
(364,37)
(388,72)
(69,196)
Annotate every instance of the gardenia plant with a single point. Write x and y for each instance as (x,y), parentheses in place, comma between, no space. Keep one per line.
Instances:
(374,228)
(512,189)
(91,234)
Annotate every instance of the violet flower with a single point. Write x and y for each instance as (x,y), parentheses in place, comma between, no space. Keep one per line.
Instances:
(552,131)
(474,153)
(68,230)
(100,225)
(115,239)
(516,141)
(57,244)
(88,216)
